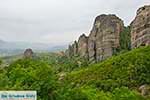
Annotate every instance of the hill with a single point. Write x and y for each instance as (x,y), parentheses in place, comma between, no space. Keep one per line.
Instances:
(15,48)
(129,70)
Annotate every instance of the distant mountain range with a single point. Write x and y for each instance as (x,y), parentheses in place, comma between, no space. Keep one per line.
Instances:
(13,48)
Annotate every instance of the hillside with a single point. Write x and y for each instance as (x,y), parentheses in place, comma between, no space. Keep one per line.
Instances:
(113,79)
(130,70)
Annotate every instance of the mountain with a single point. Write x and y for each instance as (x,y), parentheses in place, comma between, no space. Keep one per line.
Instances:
(13,48)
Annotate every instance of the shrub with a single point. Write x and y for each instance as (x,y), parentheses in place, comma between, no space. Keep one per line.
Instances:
(124,93)
(27,74)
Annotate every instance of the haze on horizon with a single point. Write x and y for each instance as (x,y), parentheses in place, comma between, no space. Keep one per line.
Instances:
(58,21)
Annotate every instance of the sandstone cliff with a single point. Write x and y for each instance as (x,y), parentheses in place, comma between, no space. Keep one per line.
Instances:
(104,37)
(102,40)
(140,28)
(83,46)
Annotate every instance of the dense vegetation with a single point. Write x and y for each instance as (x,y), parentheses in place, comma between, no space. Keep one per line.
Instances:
(117,78)
(125,39)
(130,69)
(27,74)
(63,63)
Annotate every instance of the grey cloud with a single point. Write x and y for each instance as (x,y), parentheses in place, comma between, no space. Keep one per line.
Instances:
(58,21)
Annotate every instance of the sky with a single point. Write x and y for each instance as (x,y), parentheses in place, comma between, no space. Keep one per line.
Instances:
(58,21)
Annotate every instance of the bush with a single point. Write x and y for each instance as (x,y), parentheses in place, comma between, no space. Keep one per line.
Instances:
(83,93)
(27,74)
(90,93)
(125,39)
(124,93)
(130,69)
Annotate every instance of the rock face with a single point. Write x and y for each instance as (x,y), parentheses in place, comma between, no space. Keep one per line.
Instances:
(28,53)
(102,40)
(140,28)
(83,46)
(72,50)
(104,37)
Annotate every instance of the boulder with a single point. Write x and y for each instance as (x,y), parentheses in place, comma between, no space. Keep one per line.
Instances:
(145,90)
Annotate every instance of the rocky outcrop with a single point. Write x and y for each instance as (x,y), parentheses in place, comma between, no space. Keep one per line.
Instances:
(75,48)
(102,40)
(28,53)
(140,28)
(83,46)
(104,37)
(72,50)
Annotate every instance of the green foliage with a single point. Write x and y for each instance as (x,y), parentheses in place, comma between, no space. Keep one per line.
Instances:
(30,74)
(130,69)
(125,39)
(124,93)
(89,93)
(83,93)
(63,63)
(114,79)
(4,80)
(71,64)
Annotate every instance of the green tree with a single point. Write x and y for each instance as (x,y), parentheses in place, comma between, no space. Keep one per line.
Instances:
(27,74)
(125,39)
(124,93)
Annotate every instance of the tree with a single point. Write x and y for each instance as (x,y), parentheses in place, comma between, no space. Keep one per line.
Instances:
(27,74)
(125,39)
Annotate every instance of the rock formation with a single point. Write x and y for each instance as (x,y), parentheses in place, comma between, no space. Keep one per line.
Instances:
(104,37)
(83,46)
(140,28)
(72,49)
(102,41)
(28,53)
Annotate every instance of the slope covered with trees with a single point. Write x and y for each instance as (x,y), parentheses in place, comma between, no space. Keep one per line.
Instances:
(117,78)
(28,74)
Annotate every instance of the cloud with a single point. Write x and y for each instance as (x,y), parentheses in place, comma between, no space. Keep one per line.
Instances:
(58,21)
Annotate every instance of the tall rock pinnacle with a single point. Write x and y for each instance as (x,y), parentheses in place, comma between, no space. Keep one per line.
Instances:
(140,28)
